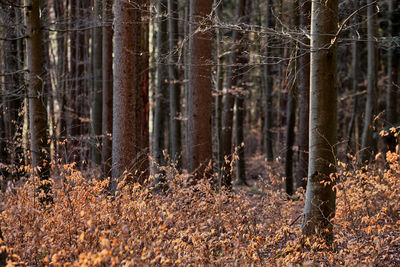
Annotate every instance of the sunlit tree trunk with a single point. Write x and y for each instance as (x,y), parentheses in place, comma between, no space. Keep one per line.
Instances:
(199,147)
(320,195)
(37,101)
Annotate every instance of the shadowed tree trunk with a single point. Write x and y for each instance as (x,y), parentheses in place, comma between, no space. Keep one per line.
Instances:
(161,108)
(229,99)
(367,145)
(199,147)
(243,61)
(130,107)
(291,105)
(37,101)
(174,86)
(269,22)
(97,110)
(107,87)
(392,89)
(304,101)
(320,195)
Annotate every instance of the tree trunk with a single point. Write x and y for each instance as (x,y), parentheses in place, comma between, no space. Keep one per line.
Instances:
(97,110)
(393,62)
(130,93)
(37,101)
(174,86)
(161,109)
(107,87)
(268,87)
(304,102)
(232,81)
(320,196)
(367,145)
(199,147)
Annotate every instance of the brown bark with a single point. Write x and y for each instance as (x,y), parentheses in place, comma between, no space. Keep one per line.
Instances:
(174,87)
(37,101)
(97,109)
(304,101)
(107,87)
(130,125)
(199,150)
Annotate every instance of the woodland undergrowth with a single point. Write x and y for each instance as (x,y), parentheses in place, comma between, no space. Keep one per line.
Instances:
(196,225)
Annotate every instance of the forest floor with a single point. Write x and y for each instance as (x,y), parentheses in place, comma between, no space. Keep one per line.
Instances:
(257,225)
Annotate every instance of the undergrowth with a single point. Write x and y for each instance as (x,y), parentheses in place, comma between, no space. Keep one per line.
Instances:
(196,225)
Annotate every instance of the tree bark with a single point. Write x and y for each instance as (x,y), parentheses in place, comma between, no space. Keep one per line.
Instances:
(269,22)
(97,110)
(393,69)
(37,101)
(199,147)
(161,100)
(174,86)
(130,107)
(367,144)
(229,100)
(304,101)
(320,195)
(107,86)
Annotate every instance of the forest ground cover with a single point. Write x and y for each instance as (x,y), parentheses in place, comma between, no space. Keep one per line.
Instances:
(198,225)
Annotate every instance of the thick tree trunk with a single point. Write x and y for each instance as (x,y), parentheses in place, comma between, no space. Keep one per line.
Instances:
(320,196)
(199,147)
(130,93)
(161,100)
(97,109)
(367,144)
(268,87)
(304,101)
(107,86)
(37,101)
(174,86)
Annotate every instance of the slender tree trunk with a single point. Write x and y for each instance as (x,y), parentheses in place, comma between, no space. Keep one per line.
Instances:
(242,71)
(392,90)
(174,86)
(37,101)
(304,102)
(160,119)
(268,87)
(219,91)
(199,147)
(130,93)
(97,110)
(320,195)
(107,87)
(367,145)
(229,101)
